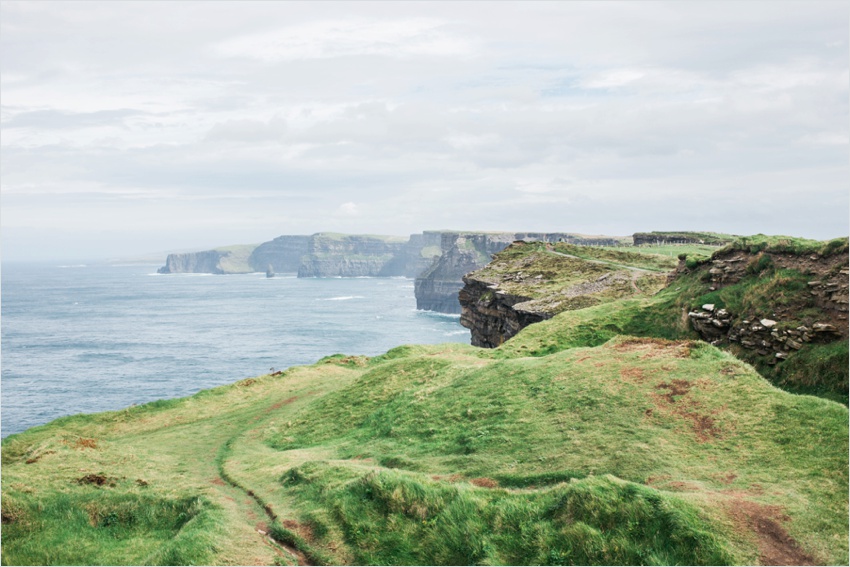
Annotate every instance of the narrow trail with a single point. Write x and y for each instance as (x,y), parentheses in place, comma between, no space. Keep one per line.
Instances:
(291,553)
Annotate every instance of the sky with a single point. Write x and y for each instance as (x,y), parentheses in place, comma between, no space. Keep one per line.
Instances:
(137,127)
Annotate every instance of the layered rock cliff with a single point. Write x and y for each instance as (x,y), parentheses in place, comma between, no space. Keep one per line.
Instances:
(335,255)
(228,260)
(193,262)
(283,254)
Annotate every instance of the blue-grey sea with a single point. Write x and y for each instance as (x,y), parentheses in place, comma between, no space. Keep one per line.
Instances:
(90,338)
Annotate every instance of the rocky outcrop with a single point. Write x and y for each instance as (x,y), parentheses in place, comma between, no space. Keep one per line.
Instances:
(493,316)
(437,288)
(283,254)
(207,262)
(814,310)
(766,337)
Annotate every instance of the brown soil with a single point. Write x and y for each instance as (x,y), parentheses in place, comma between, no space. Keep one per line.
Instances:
(301,559)
(676,388)
(775,546)
(96,479)
(485,482)
(35,459)
(85,443)
(303,530)
(652,347)
(630,374)
(283,403)
(218,481)
(704,426)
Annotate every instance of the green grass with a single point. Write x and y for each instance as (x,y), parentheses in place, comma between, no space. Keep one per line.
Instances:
(709,238)
(400,518)
(789,244)
(642,258)
(445,454)
(670,250)
(119,525)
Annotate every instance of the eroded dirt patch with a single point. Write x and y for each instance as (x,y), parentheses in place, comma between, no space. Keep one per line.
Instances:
(674,398)
(304,531)
(96,480)
(775,546)
(653,348)
(82,443)
(485,482)
(632,374)
(282,403)
(36,458)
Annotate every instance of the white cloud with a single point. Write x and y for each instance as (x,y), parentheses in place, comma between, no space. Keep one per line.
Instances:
(348,209)
(350,38)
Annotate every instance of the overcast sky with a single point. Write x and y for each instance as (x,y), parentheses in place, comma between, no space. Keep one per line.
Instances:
(141,127)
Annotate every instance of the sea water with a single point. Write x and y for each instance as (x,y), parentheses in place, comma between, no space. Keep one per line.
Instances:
(90,338)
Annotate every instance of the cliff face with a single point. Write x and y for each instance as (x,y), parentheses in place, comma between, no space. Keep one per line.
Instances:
(437,287)
(283,254)
(333,255)
(207,262)
(492,315)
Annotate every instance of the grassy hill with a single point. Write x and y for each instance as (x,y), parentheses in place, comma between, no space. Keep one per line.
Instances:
(633,451)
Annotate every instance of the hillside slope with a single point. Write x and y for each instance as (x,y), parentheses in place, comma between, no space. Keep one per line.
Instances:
(631,451)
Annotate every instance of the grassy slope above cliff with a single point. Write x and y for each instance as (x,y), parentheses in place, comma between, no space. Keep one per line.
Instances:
(632,451)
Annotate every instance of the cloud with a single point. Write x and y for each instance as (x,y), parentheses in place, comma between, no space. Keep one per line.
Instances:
(404,38)
(63,120)
(348,209)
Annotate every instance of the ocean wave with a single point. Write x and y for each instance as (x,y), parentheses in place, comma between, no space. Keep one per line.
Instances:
(182,275)
(340,298)
(438,314)
(453,333)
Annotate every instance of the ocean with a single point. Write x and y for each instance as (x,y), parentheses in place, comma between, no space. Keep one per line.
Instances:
(90,338)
